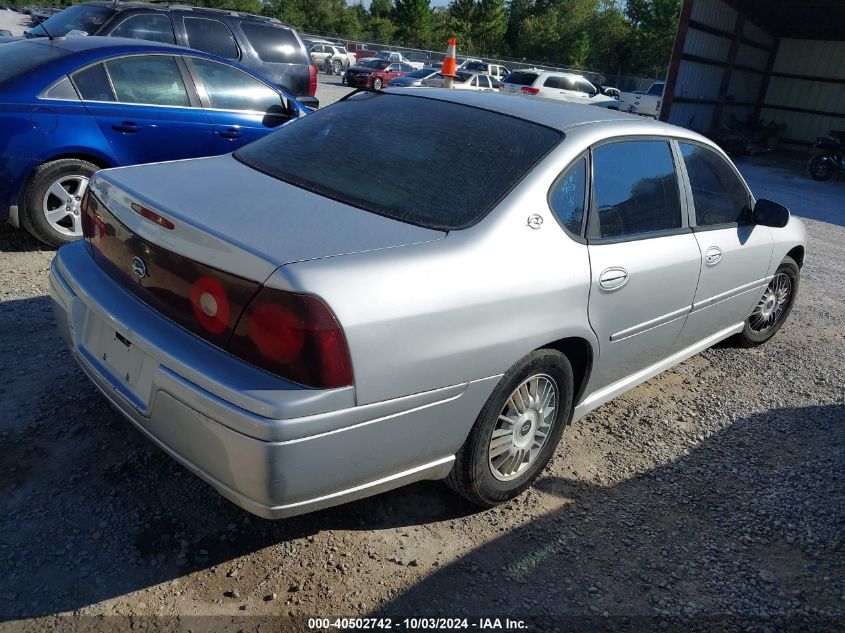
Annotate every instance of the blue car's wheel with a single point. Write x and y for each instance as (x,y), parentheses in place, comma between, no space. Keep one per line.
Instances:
(51,201)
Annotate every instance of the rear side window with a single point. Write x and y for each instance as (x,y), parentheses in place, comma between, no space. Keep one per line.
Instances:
(568,197)
(313,153)
(718,194)
(636,190)
(153,27)
(211,36)
(561,83)
(93,84)
(148,80)
(521,78)
(273,44)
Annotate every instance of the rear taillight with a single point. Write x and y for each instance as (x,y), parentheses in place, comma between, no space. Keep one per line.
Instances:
(312,80)
(294,336)
(527,90)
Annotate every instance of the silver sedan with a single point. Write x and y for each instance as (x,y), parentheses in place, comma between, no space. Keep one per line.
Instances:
(300,332)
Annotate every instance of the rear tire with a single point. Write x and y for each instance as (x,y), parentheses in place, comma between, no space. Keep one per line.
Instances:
(337,67)
(530,406)
(821,167)
(770,314)
(50,203)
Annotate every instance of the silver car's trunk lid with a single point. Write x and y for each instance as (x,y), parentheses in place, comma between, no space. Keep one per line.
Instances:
(236,219)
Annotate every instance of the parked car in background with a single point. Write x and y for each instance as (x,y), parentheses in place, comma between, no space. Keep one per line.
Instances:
(74,105)
(463,61)
(464,81)
(395,56)
(494,70)
(417,57)
(5,33)
(414,79)
(643,103)
(294,354)
(331,58)
(264,45)
(360,51)
(608,90)
(557,85)
(375,73)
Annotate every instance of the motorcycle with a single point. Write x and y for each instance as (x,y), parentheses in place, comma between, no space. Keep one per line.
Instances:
(831,159)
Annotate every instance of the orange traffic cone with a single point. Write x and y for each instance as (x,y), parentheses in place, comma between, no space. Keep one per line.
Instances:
(450,65)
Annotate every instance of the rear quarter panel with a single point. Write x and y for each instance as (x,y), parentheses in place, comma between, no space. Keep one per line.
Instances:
(459,309)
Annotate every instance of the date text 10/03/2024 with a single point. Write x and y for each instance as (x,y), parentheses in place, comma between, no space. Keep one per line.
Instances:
(482,624)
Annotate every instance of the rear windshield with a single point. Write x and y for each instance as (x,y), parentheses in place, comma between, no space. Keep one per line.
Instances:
(656,90)
(81,17)
(18,58)
(446,171)
(274,44)
(521,78)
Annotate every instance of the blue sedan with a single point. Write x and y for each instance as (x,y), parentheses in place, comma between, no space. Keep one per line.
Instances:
(70,106)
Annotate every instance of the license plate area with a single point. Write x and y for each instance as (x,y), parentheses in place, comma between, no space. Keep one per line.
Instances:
(129,368)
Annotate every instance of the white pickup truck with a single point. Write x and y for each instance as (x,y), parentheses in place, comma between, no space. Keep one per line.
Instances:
(643,103)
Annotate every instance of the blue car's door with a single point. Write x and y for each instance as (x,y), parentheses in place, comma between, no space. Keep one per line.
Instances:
(241,108)
(144,109)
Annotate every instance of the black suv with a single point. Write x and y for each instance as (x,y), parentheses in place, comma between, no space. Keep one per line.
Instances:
(264,45)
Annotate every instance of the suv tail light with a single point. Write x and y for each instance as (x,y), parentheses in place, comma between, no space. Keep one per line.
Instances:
(526,90)
(312,80)
(294,336)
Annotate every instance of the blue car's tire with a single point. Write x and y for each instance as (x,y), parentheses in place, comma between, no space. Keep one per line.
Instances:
(50,203)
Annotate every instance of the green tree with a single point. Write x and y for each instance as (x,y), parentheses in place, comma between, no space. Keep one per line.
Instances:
(489,26)
(518,10)
(461,20)
(655,23)
(413,21)
(381,8)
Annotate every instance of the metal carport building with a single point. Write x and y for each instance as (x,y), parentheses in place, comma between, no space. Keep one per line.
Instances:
(779,60)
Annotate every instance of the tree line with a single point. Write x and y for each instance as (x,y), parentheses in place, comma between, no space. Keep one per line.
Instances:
(634,37)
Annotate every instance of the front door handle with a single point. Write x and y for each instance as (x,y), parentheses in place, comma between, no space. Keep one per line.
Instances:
(127,127)
(712,255)
(231,132)
(613,278)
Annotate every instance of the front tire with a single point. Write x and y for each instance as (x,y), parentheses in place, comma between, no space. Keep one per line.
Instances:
(774,306)
(821,167)
(337,67)
(377,83)
(516,433)
(51,201)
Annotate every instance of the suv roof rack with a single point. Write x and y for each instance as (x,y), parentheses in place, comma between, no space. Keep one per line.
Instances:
(195,4)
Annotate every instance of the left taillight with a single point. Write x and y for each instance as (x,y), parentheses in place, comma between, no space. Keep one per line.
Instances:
(294,336)
(312,80)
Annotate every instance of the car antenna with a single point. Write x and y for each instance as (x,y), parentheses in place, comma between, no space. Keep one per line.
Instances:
(44,28)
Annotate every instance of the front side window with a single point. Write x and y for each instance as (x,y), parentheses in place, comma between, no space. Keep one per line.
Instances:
(568,197)
(93,83)
(313,153)
(153,27)
(211,36)
(636,190)
(586,86)
(85,18)
(231,89)
(717,193)
(148,80)
(274,44)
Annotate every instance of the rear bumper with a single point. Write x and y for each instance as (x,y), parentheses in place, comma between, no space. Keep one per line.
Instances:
(316,451)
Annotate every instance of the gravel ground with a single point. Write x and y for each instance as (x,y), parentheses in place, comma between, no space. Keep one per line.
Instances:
(13,21)
(708,498)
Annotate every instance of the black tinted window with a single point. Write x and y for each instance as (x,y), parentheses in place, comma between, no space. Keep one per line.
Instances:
(211,36)
(93,84)
(717,192)
(561,83)
(274,44)
(153,27)
(231,89)
(636,189)
(521,78)
(313,153)
(81,17)
(568,197)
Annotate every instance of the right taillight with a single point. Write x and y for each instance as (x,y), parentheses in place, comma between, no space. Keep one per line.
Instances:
(526,90)
(294,336)
(312,80)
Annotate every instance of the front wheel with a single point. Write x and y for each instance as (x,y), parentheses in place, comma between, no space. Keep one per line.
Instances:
(774,306)
(377,83)
(516,433)
(337,67)
(51,202)
(821,167)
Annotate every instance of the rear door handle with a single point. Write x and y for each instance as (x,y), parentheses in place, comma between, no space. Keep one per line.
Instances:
(231,132)
(712,255)
(127,127)
(613,278)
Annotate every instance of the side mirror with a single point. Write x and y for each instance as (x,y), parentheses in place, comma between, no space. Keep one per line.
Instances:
(768,213)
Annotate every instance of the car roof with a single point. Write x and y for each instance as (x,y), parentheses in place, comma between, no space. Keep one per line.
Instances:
(114,44)
(552,113)
(159,6)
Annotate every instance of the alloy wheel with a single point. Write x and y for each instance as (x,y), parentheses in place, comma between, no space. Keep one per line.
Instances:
(62,204)
(772,305)
(523,427)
